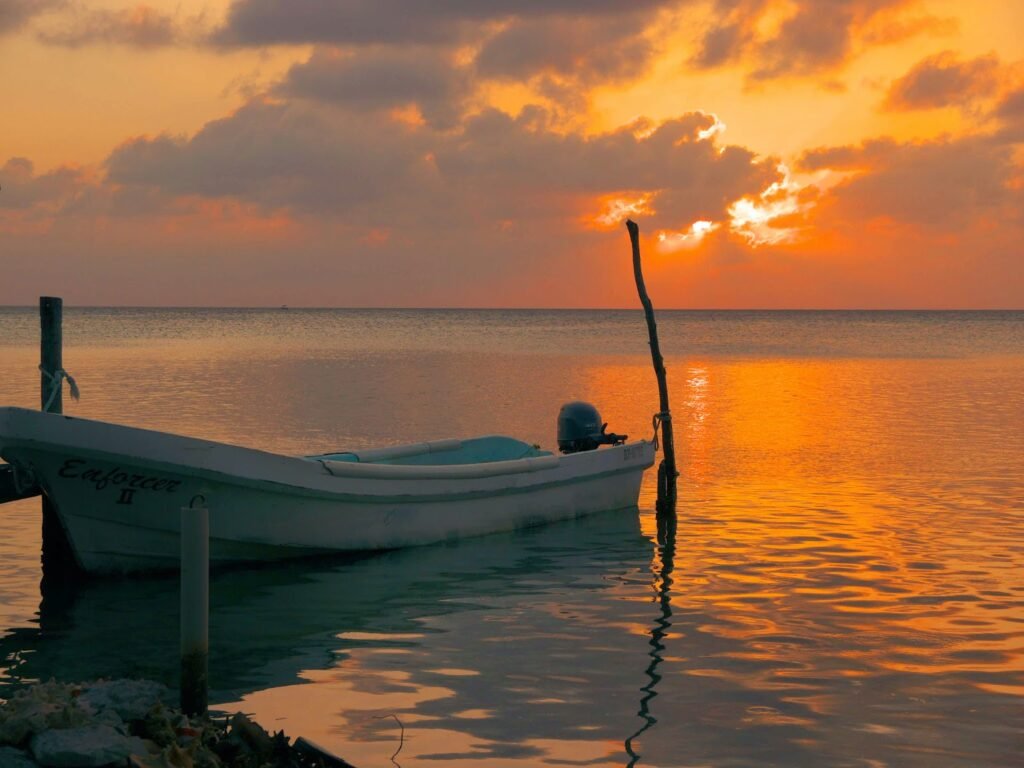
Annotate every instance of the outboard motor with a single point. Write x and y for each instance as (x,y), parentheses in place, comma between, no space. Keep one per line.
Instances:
(580,429)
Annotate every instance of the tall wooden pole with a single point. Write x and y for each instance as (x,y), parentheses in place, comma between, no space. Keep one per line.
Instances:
(667,473)
(58,559)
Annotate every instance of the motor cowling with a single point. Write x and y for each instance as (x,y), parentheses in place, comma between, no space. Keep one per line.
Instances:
(580,429)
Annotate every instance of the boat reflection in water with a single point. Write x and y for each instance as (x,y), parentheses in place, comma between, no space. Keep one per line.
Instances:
(500,640)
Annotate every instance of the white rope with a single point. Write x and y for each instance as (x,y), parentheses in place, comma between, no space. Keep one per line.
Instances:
(657,421)
(56,379)
(23,479)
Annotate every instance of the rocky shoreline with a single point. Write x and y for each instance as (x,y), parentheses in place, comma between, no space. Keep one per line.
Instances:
(132,724)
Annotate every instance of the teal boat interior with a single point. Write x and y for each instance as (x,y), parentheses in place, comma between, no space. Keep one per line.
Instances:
(477,450)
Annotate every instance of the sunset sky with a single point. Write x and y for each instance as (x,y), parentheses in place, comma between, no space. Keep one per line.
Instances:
(475,153)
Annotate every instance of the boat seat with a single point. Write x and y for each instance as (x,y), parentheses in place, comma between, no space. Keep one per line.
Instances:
(440,471)
(478,450)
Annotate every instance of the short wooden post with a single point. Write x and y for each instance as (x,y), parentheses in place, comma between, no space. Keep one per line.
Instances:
(58,559)
(51,343)
(195,607)
(667,473)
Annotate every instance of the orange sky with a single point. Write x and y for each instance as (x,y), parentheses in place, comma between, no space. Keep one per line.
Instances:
(776,153)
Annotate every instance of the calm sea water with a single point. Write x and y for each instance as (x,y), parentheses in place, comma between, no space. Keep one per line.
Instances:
(846,588)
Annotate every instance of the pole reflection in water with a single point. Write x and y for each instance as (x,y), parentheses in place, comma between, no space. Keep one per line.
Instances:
(664,566)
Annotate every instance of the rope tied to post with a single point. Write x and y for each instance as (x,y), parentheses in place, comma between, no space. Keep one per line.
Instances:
(56,379)
(661,417)
(23,479)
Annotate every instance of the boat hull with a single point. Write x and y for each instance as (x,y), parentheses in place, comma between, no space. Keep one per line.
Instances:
(118,492)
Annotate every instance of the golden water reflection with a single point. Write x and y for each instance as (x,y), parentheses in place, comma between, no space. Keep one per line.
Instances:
(839,570)
(846,582)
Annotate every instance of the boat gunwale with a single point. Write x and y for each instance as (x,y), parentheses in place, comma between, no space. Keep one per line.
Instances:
(318,472)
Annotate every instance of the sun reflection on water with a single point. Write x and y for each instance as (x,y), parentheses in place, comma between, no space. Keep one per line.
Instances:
(843,586)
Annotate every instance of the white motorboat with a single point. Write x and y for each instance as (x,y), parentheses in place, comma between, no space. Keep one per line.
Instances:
(118,490)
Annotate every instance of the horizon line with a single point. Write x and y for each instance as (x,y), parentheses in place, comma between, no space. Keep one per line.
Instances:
(286,307)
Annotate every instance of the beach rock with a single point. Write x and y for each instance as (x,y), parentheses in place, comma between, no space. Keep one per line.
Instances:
(247,745)
(40,708)
(160,725)
(15,758)
(170,757)
(86,747)
(130,699)
(251,735)
(125,723)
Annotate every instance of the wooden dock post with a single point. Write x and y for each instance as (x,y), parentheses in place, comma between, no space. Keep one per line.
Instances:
(667,473)
(58,559)
(51,354)
(195,607)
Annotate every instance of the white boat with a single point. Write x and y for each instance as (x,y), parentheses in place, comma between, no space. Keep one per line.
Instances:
(118,491)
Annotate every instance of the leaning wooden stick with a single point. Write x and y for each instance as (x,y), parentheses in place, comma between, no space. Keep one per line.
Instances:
(667,473)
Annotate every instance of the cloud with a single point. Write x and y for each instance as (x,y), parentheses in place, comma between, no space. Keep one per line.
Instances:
(22,189)
(944,80)
(276,155)
(500,209)
(373,171)
(14,14)
(382,78)
(817,37)
(276,22)
(141,26)
(944,185)
(895,27)
(317,161)
(586,42)
(1010,113)
(1012,106)
(364,22)
(587,48)
(504,212)
(722,44)
(520,161)
(803,38)
(864,157)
